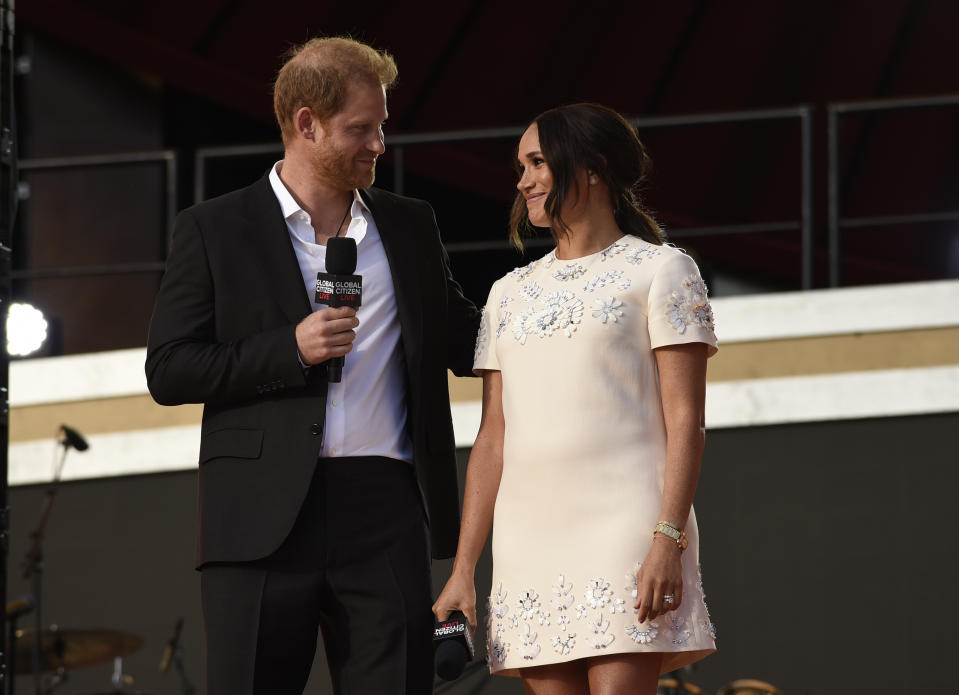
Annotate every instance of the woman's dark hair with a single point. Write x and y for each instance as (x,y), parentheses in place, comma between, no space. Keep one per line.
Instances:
(594,138)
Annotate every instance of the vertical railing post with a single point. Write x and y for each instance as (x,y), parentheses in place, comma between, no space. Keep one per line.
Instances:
(832,134)
(170,162)
(806,207)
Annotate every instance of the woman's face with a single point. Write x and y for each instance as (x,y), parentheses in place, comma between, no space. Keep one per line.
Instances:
(536,180)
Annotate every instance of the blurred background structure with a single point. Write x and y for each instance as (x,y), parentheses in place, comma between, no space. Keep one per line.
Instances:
(807,154)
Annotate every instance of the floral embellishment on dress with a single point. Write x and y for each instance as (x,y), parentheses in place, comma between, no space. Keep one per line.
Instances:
(498,607)
(632,580)
(519,273)
(598,593)
(617,606)
(482,336)
(581,611)
(599,627)
(618,247)
(513,620)
(563,644)
(643,636)
(563,621)
(543,617)
(548,259)
(689,306)
(530,650)
(504,301)
(573,271)
(529,604)
(602,280)
(503,323)
(607,309)
(559,311)
(625,284)
(523,325)
(530,291)
(639,254)
(707,623)
(498,650)
(680,635)
(562,590)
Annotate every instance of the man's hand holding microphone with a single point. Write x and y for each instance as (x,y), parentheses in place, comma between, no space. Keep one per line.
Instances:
(328,334)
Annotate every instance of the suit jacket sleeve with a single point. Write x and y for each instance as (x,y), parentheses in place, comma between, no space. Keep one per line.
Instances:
(462,319)
(191,358)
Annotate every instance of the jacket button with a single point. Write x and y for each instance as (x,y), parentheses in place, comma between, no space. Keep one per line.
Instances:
(315,428)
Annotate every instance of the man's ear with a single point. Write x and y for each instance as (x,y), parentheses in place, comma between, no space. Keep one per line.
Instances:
(305,123)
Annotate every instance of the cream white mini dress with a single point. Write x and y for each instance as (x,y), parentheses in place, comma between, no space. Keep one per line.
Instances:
(584,454)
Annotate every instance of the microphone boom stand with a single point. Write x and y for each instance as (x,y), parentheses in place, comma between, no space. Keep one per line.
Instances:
(33,570)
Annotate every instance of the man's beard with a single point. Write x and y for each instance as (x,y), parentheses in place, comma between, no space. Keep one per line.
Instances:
(339,170)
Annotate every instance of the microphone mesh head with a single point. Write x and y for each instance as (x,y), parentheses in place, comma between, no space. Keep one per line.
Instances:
(341,255)
(450,660)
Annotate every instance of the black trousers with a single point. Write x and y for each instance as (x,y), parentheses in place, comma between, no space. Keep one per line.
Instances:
(356,566)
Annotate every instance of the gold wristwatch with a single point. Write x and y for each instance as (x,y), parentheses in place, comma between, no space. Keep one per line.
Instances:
(674,532)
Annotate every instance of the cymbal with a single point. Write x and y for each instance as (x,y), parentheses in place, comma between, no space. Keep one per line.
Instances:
(71,649)
(671,685)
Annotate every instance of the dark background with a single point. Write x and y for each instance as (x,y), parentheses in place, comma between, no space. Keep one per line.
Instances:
(114,76)
(827,552)
(828,548)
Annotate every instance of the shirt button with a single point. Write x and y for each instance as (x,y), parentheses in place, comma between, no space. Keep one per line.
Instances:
(315,428)
(332,452)
(334,404)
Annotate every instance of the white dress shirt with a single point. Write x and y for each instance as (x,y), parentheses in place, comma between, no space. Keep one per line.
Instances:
(366,411)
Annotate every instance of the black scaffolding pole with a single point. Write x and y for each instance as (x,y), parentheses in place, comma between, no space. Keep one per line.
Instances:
(8,202)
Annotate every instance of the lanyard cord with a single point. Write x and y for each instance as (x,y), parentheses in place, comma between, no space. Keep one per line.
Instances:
(345,215)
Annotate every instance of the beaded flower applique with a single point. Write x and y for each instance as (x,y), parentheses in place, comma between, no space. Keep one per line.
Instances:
(689,306)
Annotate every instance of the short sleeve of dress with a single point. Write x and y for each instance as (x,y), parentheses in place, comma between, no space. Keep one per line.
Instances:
(485,355)
(678,308)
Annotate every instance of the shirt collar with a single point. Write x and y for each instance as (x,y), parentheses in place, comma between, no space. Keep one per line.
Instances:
(290,207)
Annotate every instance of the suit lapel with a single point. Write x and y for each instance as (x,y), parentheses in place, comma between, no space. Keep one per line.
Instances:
(269,236)
(401,247)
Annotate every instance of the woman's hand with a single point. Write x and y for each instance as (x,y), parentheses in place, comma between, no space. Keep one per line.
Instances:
(459,594)
(660,576)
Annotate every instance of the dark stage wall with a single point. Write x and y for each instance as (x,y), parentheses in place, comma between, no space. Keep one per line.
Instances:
(827,554)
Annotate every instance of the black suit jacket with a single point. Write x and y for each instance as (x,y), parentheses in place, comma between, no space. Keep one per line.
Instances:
(222,334)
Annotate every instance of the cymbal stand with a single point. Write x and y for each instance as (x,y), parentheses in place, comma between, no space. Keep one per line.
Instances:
(15,610)
(33,570)
(119,679)
(187,686)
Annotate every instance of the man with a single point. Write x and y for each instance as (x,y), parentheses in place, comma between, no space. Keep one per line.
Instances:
(312,493)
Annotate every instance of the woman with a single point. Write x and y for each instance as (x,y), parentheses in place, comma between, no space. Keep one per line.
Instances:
(593,361)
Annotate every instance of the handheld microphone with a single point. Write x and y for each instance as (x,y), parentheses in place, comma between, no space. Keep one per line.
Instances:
(170,649)
(338,286)
(69,437)
(452,645)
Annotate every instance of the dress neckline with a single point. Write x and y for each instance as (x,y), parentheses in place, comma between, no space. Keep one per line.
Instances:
(588,255)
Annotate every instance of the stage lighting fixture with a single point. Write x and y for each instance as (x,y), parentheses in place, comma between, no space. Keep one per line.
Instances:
(26,329)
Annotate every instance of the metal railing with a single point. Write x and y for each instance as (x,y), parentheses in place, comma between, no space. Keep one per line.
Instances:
(399,143)
(166,157)
(837,223)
